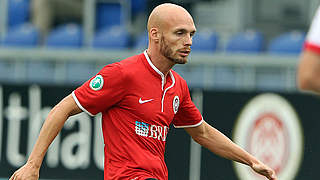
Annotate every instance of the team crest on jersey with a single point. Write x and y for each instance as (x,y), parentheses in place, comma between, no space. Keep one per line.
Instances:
(96,83)
(175,104)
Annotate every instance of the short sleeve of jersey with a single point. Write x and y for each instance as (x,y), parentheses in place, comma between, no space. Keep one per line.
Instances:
(188,114)
(102,91)
(313,38)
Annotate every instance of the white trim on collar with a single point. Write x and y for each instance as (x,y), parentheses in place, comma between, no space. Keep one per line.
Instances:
(151,64)
(162,77)
(158,71)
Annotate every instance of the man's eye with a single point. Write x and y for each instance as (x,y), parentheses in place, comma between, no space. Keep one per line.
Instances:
(179,33)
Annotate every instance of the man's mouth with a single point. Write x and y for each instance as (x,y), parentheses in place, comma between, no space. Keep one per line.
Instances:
(184,52)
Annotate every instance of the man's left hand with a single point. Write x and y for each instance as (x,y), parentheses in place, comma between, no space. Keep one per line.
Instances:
(264,170)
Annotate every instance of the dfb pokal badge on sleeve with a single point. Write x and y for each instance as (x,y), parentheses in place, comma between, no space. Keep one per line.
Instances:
(268,127)
(96,83)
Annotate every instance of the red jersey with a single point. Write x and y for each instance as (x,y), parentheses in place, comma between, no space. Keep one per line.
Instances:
(313,38)
(138,105)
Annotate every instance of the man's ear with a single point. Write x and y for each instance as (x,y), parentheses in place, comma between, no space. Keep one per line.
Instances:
(154,34)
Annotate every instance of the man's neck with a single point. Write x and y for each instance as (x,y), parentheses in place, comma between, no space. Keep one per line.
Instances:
(160,62)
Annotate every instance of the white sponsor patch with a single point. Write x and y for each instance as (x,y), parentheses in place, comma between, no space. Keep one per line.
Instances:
(268,128)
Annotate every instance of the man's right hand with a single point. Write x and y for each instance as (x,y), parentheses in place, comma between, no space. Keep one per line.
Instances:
(26,172)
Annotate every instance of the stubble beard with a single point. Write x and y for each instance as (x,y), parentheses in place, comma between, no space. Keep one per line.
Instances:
(167,52)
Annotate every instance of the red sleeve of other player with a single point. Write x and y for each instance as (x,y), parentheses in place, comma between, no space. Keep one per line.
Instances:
(312,47)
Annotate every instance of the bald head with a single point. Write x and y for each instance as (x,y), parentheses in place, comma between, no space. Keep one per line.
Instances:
(167,13)
(170,31)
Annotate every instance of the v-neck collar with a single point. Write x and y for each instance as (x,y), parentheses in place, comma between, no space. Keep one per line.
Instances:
(159,72)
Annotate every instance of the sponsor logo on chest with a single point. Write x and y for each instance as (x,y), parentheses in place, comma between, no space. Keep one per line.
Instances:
(151,131)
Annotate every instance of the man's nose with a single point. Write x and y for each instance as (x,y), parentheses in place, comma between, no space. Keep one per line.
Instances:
(188,40)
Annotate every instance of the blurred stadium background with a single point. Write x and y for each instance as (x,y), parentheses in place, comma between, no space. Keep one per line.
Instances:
(242,46)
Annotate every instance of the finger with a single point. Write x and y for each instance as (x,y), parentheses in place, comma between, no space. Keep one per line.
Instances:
(12,177)
(273,175)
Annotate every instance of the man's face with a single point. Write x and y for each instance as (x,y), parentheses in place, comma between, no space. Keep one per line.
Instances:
(176,41)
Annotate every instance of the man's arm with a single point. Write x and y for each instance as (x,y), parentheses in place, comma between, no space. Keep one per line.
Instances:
(309,71)
(51,127)
(218,143)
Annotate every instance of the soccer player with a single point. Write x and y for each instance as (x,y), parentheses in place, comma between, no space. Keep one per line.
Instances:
(139,98)
(309,67)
